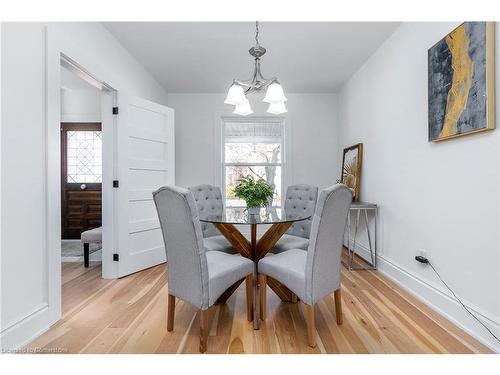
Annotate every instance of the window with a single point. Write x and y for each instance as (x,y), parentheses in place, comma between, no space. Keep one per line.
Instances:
(84,156)
(252,147)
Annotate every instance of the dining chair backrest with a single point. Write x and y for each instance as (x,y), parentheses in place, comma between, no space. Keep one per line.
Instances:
(325,244)
(186,258)
(208,199)
(301,199)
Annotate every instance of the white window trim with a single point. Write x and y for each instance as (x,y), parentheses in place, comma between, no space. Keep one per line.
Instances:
(219,164)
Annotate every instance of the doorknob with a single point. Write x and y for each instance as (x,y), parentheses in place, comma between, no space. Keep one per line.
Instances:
(83,186)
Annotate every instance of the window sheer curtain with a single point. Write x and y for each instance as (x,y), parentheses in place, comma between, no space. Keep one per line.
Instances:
(234,130)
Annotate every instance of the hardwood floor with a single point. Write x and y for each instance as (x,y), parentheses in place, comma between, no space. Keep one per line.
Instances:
(129,315)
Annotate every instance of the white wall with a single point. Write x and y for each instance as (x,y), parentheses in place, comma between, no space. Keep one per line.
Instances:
(80,105)
(311,117)
(80,101)
(443,197)
(24,301)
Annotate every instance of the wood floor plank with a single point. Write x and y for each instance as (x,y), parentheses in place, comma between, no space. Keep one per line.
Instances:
(474,345)
(129,315)
(174,341)
(265,339)
(327,327)
(103,341)
(73,269)
(241,338)
(437,331)
(192,340)
(300,327)
(147,332)
(81,285)
(285,330)
(220,333)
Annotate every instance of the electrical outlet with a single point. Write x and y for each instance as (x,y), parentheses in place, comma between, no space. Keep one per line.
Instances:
(422,257)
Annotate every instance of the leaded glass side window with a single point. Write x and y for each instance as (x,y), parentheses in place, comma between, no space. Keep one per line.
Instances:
(84,156)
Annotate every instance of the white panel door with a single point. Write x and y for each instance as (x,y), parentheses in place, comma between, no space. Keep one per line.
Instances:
(145,161)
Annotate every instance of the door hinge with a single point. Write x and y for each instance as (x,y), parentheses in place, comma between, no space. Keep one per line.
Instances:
(116,257)
(115,110)
(116,183)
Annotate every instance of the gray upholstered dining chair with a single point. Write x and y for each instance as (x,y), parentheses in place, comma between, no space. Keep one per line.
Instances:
(208,199)
(315,273)
(195,275)
(299,199)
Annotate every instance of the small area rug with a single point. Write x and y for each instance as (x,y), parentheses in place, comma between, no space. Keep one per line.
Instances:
(74,248)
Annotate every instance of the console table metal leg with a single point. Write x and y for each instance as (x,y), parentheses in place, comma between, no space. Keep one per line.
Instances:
(354,239)
(375,218)
(349,240)
(369,238)
(372,240)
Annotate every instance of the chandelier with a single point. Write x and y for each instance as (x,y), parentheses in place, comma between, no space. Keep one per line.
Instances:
(237,94)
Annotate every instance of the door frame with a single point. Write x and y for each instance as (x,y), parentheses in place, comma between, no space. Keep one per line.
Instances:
(62,51)
(54,173)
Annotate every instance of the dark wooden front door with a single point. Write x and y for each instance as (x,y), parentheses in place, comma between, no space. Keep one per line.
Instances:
(81,176)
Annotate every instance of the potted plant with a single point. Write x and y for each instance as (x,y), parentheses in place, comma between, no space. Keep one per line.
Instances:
(256,193)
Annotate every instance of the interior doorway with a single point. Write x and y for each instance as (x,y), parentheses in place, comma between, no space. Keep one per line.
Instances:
(81,182)
(81,169)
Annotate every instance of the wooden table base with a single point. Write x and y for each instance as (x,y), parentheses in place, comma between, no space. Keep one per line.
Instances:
(255,250)
(229,292)
(282,291)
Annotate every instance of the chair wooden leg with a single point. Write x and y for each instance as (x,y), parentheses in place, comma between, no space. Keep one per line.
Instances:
(249,285)
(338,306)
(170,313)
(311,337)
(203,330)
(262,294)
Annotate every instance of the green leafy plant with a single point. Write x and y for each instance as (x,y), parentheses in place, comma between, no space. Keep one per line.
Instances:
(256,193)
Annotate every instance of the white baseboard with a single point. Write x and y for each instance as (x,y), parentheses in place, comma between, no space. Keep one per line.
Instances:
(438,299)
(26,329)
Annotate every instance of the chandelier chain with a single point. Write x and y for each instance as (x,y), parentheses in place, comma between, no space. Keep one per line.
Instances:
(257,33)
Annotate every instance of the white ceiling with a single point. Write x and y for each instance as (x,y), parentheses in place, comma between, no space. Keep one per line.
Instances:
(204,57)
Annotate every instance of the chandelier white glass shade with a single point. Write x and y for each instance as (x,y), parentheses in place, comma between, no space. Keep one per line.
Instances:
(243,108)
(257,83)
(235,95)
(275,94)
(277,108)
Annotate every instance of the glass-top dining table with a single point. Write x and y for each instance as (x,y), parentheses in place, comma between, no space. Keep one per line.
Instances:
(278,220)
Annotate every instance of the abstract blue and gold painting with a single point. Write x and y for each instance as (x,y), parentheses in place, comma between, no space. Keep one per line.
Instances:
(461,82)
